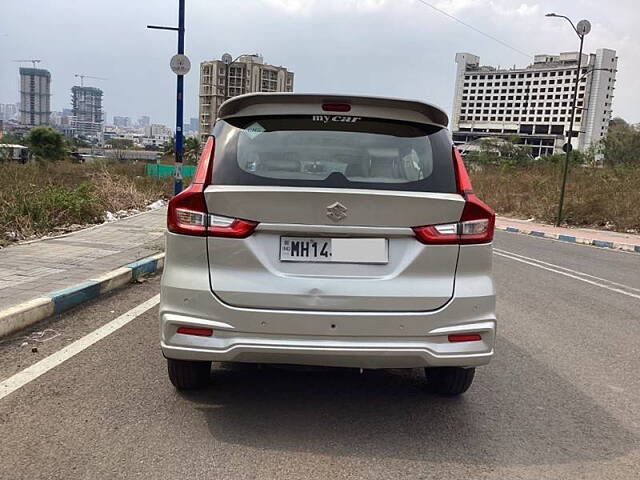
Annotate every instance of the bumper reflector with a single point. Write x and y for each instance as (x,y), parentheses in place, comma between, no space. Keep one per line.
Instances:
(464,337)
(198,331)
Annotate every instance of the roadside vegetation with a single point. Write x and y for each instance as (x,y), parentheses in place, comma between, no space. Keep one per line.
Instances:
(45,197)
(603,185)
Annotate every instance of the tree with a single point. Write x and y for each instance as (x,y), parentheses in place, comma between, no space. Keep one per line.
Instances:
(622,143)
(76,142)
(119,147)
(11,138)
(169,146)
(46,143)
(500,150)
(191,149)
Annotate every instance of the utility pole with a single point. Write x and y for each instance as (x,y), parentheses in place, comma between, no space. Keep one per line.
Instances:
(582,29)
(180,65)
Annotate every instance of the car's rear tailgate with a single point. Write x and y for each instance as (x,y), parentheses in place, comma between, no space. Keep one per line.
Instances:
(250,273)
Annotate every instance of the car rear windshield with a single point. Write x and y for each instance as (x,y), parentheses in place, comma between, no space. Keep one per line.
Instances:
(333,151)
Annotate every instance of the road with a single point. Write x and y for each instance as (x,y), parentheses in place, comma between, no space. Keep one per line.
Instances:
(561,399)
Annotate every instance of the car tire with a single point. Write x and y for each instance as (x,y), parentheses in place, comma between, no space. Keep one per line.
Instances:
(188,375)
(449,380)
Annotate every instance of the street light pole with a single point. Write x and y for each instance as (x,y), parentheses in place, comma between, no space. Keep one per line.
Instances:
(179,104)
(581,30)
(570,136)
(180,65)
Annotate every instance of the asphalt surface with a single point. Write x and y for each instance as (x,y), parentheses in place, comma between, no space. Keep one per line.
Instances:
(561,399)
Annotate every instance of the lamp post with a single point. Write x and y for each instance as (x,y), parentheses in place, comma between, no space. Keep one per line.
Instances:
(582,28)
(180,65)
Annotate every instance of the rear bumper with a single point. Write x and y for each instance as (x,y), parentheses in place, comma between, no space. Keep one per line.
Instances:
(229,346)
(326,338)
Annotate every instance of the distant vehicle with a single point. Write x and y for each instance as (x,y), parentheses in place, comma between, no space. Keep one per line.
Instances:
(329,230)
(14,152)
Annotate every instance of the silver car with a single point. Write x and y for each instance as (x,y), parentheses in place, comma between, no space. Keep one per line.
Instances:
(329,230)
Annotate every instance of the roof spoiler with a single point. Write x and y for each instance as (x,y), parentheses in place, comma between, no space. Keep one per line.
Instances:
(261,104)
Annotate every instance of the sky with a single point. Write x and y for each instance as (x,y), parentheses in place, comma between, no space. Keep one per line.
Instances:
(399,48)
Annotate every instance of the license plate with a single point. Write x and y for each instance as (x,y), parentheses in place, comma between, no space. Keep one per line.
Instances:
(334,250)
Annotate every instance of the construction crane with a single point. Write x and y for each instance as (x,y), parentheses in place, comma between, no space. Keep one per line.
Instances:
(33,61)
(82,77)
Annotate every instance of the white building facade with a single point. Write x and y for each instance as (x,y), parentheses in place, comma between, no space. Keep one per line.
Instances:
(156,135)
(534,103)
(246,75)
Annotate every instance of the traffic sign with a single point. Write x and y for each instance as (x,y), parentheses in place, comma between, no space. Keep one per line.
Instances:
(180,64)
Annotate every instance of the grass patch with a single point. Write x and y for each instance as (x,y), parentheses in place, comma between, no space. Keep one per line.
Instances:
(602,198)
(39,198)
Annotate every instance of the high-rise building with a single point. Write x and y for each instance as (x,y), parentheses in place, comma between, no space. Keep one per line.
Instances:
(8,111)
(194,125)
(123,122)
(35,96)
(144,121)
(247,74)
(87,115)
(534,103)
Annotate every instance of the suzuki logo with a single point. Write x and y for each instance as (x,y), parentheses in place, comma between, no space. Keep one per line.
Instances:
(337,211)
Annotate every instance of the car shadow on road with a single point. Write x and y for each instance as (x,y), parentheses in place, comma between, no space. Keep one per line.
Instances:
(518,412)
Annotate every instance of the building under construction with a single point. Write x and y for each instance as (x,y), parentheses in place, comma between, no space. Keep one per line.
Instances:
(35,96)
(87,117)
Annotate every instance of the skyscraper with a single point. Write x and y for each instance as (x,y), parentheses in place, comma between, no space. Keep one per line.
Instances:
(123,122)
(247,74)
(144,121)
(87,112)
(35,96)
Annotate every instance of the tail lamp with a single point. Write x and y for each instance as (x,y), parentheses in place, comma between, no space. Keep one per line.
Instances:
(187,212)
(477,221)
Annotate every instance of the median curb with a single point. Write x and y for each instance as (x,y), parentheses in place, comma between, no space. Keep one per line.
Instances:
(627,247)
(25,314)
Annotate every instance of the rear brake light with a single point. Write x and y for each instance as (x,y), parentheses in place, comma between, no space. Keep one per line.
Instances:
(197,331)
(188,215)
(187,212)
(464,337)
(477,221)
(336,107)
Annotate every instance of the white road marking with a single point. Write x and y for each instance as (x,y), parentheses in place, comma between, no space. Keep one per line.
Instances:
(29,374)
(577,272)
(575,276)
